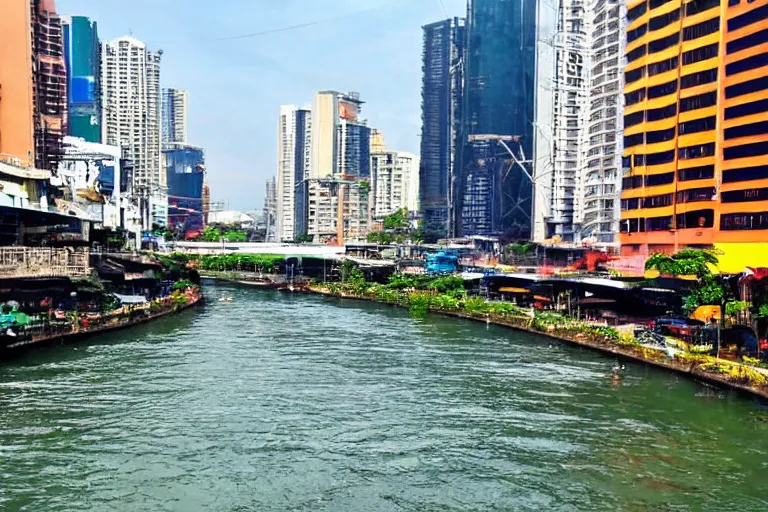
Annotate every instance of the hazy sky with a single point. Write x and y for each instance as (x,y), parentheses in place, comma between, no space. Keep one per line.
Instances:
(236,86)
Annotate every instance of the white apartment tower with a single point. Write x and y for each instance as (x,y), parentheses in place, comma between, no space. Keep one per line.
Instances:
(175,107)
(394,182)
(581,181)
(132,118)
(293,167)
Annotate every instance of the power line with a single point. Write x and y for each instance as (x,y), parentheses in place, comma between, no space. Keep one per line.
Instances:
(442,4)
(292,27)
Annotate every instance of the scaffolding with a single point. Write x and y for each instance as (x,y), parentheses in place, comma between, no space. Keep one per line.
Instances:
(16,262)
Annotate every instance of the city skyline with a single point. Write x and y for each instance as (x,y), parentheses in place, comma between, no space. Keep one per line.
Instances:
(237,127)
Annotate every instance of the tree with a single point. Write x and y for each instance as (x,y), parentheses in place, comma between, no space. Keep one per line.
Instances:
(210,234)
(303,238)
(707,290)
(397,220)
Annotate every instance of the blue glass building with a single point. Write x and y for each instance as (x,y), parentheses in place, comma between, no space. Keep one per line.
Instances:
(82,56)
(185,172)
(493,196)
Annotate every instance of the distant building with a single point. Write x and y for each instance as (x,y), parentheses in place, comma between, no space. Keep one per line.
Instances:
(499,101)
(377,142)
(185,169)
(175,106)
(293,168)
(394,182)
(441,96)
(82,53)
(33,100)
(132,120)
(270,210)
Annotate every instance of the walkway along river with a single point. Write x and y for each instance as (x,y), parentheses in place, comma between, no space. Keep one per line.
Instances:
(277,402)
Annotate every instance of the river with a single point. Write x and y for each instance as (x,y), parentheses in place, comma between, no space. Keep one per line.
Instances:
(304,403)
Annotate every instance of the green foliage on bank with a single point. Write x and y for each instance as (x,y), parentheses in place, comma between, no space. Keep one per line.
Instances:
(706,290)
(266,263)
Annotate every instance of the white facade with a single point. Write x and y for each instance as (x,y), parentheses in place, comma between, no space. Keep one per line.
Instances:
(603,144)
(175,107)
(89,168)
(578,182)
(293,167)
(394,182)
(132,118)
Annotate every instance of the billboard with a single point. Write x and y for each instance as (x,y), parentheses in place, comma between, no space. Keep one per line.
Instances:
(348,110)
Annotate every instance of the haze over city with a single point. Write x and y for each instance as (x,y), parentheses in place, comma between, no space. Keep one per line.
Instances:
(237,85)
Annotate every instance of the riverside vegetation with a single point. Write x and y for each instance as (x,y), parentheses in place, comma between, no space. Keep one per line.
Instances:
(447,295)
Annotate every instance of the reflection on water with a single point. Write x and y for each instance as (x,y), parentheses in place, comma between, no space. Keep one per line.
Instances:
(276,402)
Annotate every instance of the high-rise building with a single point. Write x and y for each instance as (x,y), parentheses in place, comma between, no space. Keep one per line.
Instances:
(33,99)
(394,182)
(82,53)
(175,105)
(293,168)
(132,119)
(695,135)
(493,195)
(377,142)
(185,174)
(340,170)
(441,97)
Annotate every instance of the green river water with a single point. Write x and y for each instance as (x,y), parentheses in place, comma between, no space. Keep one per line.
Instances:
(303,403)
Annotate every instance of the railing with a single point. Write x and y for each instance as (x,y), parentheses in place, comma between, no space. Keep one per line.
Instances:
(43,262)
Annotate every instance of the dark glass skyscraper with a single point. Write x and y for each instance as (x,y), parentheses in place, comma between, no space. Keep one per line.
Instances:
(185,172)
(441,98)
(493,196)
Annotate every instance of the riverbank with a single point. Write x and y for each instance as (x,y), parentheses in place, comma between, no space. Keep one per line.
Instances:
(739,377)
(104,324)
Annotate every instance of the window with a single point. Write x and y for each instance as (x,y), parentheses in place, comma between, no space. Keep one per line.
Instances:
(654,180)
(745,196)
(632,182)
(636,33)
(753,16)
(633,140)
(699,54)
(701,29)
(634,97)
(747,109)
(636,12)
(748,64)
(633,119)
(696,219)
(704,100)
(636,53)
(697,125)
(639,160)
(731,3)
(702,77)
(759,172)
(663,43)
(661,67)
(656,114)
(663,20)
(746,150)
(696,194)
(703,172)
(659,136)
(698,6)
(658,3)
(697,151)
(745,42)
(658,223)
(758,84)
(759,128)
(632,225)
(629,204)
(657,201)
(634,75)
(664,157)
(657,91)
(743,221)
(626,162)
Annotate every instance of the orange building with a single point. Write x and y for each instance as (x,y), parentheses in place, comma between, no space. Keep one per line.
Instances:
(696,129)
(33,94)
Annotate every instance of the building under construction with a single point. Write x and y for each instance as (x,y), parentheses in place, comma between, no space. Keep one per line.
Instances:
(493,197)
(441,95)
